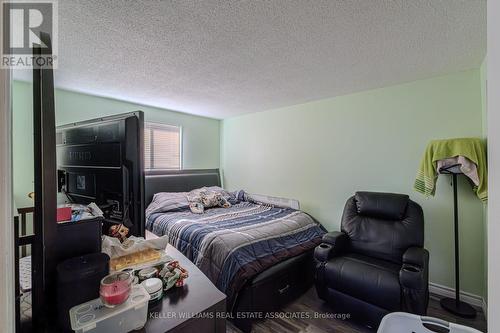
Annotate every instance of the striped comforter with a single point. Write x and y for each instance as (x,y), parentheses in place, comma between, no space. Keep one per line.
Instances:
(231,245)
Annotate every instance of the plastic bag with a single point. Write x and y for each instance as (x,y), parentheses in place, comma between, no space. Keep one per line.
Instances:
(113,248)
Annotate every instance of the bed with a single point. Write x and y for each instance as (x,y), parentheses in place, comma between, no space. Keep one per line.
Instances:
(259,255)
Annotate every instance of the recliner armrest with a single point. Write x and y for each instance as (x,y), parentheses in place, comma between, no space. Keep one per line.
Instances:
(332,244)
(336,238)
(416,256)
(414,280)
(414,272)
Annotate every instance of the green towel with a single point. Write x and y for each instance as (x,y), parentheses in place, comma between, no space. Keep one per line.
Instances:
(472,148)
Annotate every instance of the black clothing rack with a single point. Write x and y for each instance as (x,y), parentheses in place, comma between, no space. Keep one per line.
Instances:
(456,306)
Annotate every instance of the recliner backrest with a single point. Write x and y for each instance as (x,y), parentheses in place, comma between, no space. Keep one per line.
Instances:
(383,225)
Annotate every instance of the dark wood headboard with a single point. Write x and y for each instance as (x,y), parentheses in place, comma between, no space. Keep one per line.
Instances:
(178,181)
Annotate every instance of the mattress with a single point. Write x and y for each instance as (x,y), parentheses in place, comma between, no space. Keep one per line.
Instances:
(232,245)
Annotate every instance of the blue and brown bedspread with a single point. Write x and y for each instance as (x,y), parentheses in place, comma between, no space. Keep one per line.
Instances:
(232,245)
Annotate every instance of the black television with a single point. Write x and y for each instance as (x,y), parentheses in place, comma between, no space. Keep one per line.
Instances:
(102,160)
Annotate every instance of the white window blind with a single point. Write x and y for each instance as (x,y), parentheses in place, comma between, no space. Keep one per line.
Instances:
(162,146)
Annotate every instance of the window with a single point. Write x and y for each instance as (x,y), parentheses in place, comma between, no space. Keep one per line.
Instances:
(162,147)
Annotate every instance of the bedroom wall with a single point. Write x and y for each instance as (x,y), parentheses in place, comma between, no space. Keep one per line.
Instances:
(322,152)
(201,141)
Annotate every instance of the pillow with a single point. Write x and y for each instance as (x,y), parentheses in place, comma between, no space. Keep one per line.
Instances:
(167,201)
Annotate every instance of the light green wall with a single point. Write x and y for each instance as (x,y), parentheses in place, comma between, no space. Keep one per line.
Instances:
(483,73)
(201,141)
(322,152)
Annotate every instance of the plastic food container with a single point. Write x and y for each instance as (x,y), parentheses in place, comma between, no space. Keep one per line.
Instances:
(147,273)
(134,259)
(402,322)
(115,288)
(154,287)
(94,317)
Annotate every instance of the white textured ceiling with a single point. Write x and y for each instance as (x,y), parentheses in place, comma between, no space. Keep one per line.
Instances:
(224,58)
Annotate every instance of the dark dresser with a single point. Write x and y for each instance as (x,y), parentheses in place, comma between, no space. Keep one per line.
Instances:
(198,306)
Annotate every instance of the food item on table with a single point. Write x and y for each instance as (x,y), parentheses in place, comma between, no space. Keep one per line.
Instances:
(135,258)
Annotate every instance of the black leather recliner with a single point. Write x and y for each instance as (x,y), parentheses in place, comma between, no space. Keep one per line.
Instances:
(377,263)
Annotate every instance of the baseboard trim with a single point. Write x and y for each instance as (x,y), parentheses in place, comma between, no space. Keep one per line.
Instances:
(438,291)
